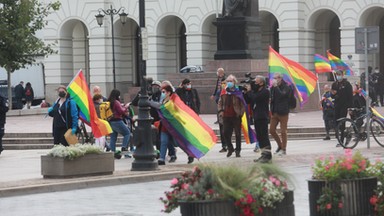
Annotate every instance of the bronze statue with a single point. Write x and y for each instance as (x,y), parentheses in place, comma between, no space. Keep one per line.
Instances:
(234,8)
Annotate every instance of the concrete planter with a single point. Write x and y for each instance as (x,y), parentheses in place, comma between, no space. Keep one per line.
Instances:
(89,164)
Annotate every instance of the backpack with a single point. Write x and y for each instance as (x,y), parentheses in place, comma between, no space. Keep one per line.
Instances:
(292,99)
(28,92)
(106,112)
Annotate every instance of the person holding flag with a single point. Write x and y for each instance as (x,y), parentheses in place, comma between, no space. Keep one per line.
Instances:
(231,109)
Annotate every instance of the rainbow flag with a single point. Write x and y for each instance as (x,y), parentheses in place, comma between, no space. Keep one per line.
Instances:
(338,64)
(248,132)
(193,135)
(322,64)
(79,91)
(303,80)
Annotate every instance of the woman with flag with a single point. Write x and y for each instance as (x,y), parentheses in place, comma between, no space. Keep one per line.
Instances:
(65,116)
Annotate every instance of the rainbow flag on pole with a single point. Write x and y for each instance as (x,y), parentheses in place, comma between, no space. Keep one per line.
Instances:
(303,80)
(193,135)
(338,64)
(79,91)
(322,64)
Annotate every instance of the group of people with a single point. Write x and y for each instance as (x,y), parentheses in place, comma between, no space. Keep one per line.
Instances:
(268,106)
(65,115)
(23,93)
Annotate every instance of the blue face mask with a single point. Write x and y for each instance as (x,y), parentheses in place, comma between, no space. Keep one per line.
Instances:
(339,78)
(230,84)
(162,96)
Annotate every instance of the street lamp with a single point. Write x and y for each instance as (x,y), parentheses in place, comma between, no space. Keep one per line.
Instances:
(144,154)
(123,18)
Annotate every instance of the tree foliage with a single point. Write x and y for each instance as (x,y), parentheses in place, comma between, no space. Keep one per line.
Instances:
(19,22)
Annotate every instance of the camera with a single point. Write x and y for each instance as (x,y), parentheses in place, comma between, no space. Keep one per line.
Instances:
(249,80)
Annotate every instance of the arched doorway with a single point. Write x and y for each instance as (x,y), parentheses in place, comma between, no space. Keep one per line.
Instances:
(325,26)
(269,32)
(73,50)
(127,52)
(209,39)
(375,17)
(171,46)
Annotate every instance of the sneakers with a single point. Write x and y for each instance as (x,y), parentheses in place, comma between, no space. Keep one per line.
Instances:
(161,162)
(117,155)
(223,150)
(230,152)
(173,159)
(123,149)
(282,153)
(190,160)
(257,149)
(327,138)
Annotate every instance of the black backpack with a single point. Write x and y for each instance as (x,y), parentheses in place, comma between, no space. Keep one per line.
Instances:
(292,100)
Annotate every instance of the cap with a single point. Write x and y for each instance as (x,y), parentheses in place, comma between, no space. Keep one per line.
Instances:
(155,82)
(185,81)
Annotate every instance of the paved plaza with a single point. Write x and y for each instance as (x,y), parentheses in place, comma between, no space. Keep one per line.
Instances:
(23,191)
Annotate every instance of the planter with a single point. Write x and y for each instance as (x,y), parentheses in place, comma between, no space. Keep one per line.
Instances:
(356,197)
(228,208)
(89,164)
(283,208)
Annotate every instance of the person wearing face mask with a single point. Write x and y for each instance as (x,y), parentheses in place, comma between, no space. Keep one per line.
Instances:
(342,93)
(280,92)
(189,95)
(118,126)
(257,96)
(65,116)
(231,108)
(378,82)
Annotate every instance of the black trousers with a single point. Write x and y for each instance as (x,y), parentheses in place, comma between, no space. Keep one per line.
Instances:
(340,112)
(58,136)
(231,124)
(261,128)
(1,135)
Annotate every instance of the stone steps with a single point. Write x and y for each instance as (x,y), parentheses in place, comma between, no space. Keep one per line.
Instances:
(44,140)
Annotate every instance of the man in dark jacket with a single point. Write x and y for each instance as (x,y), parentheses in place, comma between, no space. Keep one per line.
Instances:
(3,110)
(19,95)
(258,96)
(342,91)
(189,95)
(280,92)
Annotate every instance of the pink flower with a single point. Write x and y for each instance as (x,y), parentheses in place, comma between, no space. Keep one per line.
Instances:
(185,186)
(174,181)
(328,206)
(348,153)
(331,158)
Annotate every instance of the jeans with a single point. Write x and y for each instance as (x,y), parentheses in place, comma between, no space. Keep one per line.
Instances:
(118,127)
(166,141)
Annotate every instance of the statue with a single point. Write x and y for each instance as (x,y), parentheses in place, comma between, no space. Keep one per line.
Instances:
(234,8)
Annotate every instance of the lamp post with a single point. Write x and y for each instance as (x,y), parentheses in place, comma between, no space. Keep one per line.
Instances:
(144,154)
(123,18)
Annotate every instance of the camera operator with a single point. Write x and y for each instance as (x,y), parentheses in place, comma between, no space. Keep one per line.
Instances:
(258,95)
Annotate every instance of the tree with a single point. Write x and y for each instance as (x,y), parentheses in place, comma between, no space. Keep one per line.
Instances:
(19,22)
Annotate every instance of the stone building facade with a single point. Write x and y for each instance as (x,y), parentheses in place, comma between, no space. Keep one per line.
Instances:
(181,32)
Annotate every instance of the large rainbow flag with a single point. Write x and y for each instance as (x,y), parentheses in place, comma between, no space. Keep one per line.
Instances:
(322,64)
(338,64)
(79,91)
(303,80)
(193,135)
(248,132)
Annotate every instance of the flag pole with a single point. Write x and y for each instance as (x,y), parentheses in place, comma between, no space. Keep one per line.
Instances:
(318,86)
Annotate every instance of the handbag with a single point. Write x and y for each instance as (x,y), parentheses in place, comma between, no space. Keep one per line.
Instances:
(71,138)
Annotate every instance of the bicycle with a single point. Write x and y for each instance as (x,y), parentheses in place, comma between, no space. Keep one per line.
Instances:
(349,132)
(83,136)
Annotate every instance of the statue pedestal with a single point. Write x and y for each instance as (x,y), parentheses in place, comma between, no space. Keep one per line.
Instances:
(238,38)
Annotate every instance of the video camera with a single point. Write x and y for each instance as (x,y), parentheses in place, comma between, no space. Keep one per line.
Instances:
(249,80)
